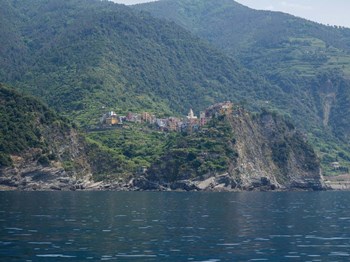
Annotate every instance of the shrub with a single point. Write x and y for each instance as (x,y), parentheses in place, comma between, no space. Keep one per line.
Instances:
(44,160)
(5,160)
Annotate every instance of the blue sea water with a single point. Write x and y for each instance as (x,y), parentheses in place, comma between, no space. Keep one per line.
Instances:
(172,226)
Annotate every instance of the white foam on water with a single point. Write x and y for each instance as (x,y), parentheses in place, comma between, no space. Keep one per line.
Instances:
(40,243)
(261,239)
(280,236)
(14,228)
(136,256)
(5,243)
(211,260)
(55,256)
(327,238)
(340,254)
(229,244)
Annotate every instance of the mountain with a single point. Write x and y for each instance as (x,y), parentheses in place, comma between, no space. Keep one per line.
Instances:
(84,57)
(309,62)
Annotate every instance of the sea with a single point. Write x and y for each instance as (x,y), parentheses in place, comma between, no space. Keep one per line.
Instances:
(174,226)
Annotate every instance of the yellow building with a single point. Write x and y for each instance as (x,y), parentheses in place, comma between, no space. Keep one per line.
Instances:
(112,120)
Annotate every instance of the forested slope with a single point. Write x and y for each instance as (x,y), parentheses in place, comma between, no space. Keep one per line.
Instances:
(84,55)
(24,122)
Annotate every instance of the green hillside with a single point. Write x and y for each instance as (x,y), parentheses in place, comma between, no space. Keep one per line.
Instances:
(260,38)
(309,62)
(84,57)
(24,124)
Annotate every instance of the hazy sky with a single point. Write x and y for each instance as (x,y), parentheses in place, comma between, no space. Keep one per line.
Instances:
(333,12)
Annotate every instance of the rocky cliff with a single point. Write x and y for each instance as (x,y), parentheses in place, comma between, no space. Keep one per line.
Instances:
(258,152)
(39,150)
(274,154)
(68,171)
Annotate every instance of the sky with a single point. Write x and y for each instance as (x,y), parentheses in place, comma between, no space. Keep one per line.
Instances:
(332,12)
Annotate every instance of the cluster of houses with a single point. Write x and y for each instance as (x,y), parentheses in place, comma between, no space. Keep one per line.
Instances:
(190,123)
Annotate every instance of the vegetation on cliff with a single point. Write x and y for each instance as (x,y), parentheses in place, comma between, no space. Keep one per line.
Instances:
(23,123)
(137,148)
(207,152)
(121,153)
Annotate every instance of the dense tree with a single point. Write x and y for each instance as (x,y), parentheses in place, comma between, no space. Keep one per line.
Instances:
(23,120)
(84,55)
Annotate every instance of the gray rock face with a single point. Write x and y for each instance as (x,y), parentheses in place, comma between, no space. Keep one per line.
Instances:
(36,177)
(219,183)
(43,151)
(273,155)
(28,174)
(142,183)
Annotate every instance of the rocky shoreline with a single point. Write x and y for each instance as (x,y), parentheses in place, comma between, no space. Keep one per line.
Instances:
(55,179)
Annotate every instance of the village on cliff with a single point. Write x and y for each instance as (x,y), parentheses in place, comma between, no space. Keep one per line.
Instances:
(190,123)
